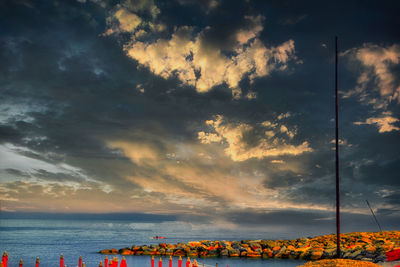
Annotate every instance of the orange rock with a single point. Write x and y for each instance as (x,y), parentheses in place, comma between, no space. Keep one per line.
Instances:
(179,253)
(316,255)
(253,254)
(109,251)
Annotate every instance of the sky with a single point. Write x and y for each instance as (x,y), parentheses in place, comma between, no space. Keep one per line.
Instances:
(214,112)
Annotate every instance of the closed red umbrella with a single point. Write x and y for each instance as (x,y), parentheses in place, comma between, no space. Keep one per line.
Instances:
(5,258)
(188,262)
(180,261)
(80,261)
(160,263)
(20,263)
(123,262)
(115,262)
(111,262)
(170,261)
(106,262)
(152,261)
(37,262)
(61,260)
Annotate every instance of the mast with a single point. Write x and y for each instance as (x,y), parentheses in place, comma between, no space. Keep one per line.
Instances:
(338,254)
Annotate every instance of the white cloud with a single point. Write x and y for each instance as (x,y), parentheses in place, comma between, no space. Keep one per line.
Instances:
(232,135)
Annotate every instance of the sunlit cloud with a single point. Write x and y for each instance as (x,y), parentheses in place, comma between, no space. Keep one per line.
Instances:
(187,55)
(377,62)
(385,124)
(233,135)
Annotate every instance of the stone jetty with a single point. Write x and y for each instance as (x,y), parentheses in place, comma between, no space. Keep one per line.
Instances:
(365,246)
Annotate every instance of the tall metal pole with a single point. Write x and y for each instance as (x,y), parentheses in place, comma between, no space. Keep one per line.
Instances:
(338,254)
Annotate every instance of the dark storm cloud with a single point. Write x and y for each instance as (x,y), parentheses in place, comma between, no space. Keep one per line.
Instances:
(67,90)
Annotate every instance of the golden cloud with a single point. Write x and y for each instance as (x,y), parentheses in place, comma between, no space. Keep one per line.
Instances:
(385,124)
(238,150)
(198,64)
(378,61)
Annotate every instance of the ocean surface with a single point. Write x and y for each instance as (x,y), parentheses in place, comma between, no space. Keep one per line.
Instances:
(47,239)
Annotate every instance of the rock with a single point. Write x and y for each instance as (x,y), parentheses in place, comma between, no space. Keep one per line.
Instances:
(224,253)
(179,252)
(316,255)
(109,251)
(213,253)
(234,252)
(253,254)
(126,251)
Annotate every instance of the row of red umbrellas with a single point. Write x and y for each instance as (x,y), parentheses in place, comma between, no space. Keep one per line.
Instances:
(188,264)
(107,263)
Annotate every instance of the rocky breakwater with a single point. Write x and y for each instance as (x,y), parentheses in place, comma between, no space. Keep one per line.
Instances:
(365,246)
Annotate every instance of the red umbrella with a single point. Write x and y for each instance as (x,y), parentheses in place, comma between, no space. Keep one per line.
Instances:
(80,261)
(37,262)
(115,262)
(20,263)
(61,260)
(5,258)
(160,263)
(123,262)
(111,263)
(180,262)
(170,261)
(188,262)
(105,262)
(152,261)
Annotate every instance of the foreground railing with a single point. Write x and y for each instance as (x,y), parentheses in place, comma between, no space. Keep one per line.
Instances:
(114,262)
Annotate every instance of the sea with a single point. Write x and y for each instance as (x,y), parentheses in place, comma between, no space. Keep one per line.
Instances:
(28,239)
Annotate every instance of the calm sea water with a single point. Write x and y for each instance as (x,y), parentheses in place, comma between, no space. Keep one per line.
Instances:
(47,239)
